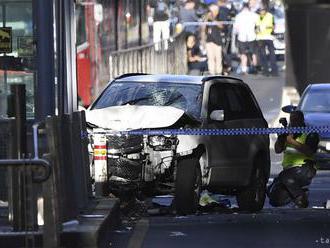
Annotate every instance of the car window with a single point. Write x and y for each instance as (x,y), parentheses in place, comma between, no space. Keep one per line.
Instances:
(236,101)
(217,99)
(316,101)
(223,97)
(250,105)
(235,104)
(187,97)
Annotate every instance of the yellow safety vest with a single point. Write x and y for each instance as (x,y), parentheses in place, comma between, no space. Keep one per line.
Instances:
(265,26)
(293,157)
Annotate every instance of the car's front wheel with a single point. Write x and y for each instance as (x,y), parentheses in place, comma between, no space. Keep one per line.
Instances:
(252,198)
(187,186)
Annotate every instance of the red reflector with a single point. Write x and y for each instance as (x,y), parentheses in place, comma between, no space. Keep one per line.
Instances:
(100,147)
(100,158)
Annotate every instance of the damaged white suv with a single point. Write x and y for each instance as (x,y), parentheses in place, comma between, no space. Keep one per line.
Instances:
(183,164)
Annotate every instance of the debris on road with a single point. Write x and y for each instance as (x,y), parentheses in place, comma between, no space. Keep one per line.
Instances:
(206,199)
(210,201)
(177,234)
(133,208)
(163,200)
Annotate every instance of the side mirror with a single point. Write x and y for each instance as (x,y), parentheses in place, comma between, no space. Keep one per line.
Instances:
(289,108)
(217,115)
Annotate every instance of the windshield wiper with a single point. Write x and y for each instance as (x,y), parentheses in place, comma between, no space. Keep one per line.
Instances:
(134,101)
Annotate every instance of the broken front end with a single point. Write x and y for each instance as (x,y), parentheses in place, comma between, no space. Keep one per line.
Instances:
(134,162)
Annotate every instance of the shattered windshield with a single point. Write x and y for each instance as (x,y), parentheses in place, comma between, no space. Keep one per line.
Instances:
(187,97)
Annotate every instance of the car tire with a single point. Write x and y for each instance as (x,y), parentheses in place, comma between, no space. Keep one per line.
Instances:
(252,198)
(187,186)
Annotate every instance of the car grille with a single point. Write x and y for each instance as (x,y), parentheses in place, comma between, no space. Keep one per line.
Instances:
(279,36)
(124,144)
(125,168)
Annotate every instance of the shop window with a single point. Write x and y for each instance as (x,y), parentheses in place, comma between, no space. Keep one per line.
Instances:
(17,66)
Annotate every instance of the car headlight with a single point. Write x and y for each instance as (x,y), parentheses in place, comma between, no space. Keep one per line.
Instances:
(157,140)
(161,142)
(324,145)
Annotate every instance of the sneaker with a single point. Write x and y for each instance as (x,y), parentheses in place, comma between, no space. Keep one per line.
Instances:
(301,201)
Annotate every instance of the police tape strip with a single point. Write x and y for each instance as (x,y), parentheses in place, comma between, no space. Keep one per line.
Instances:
(221,132)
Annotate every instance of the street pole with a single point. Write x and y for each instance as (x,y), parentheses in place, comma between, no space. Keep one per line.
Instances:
(45,88)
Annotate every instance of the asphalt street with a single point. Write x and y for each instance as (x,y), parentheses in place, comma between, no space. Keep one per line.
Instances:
(272,227)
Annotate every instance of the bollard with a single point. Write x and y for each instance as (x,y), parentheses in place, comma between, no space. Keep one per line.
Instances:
(22,210)
(100,164)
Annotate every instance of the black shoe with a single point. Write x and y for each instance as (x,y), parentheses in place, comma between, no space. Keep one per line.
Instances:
(301,201)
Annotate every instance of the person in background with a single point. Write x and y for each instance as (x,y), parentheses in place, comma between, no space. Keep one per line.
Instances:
(161,23)
(214,41)
(174,12)
(254,5)
(197,62)
(225,16)
(265,27)
(187,13)
(298,165)
(244,28)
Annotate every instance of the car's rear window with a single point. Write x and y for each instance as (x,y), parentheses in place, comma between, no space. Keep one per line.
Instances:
(187,97)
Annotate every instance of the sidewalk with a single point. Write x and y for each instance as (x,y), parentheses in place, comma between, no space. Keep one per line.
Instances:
(90,229)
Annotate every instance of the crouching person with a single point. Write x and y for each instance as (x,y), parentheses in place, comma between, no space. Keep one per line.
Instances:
(197,62)
(291,185)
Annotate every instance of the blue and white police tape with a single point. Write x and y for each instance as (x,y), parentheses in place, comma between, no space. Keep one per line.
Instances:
(226,132)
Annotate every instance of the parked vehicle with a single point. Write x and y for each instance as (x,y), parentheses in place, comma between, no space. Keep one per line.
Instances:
(315,104)
(279,29)
(183,164)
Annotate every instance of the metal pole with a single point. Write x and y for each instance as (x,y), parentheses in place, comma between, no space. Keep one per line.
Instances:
(17,179)
(18,93)
(45,90)
(5,74)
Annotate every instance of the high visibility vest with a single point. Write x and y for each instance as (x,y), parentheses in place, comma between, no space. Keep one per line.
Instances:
(293,157)
(265,27)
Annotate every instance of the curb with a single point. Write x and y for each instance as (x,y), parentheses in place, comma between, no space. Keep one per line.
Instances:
(91,229)
(94,228)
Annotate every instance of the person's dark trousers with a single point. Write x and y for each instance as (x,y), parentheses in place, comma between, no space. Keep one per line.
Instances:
(267,60)
(198,66)
(289,185)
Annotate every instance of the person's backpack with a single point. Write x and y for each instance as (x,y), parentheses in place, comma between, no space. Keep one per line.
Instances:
(161,8)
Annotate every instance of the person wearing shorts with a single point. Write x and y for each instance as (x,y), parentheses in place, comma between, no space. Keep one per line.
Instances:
(244,28)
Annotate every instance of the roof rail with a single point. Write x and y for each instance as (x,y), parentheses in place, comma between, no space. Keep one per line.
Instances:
(131,74)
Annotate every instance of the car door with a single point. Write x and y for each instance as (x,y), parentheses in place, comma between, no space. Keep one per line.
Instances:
(228,155)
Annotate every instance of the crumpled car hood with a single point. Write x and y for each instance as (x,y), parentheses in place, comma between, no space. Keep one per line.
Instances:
(130,117)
